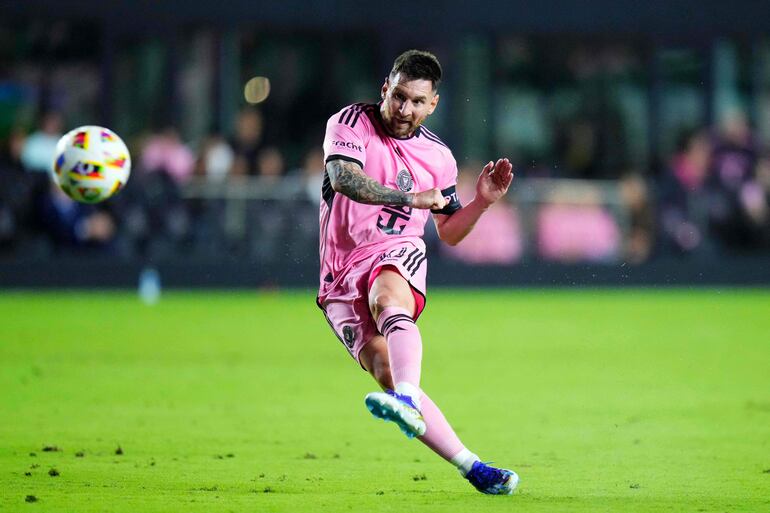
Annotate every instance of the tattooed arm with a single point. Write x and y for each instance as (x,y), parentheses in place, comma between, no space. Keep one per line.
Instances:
(349,179)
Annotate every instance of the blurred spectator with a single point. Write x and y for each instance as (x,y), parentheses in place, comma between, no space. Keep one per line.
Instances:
(10,170)
(11,167)
(734,155)
(740,206)
(497,236)
(763,179)
(73,225)
(573,226)
(641,223)
(7,224)
(40,147)
(166,153)
(155,219)
(312,174)
(215,159)
(685,198)
(10,156)
(577,146)
(18,190)
(270,163)
(247,142)
(302,210)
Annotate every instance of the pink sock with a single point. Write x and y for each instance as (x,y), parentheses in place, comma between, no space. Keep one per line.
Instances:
(404,344)
(440,436)
(405,354)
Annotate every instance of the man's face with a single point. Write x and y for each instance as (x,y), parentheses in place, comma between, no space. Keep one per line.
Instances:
(406,104)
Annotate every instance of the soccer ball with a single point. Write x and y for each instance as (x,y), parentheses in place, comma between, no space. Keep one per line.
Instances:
(91,164)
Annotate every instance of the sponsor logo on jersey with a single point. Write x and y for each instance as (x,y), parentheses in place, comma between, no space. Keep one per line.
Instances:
(391,217)
(347,144)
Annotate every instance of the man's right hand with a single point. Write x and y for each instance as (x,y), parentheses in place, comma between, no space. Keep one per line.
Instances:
(431,199)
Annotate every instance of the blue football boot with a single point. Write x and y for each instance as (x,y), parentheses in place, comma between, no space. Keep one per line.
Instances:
(397,408)
(491,480)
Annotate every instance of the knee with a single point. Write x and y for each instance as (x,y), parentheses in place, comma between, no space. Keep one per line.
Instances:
(380,301)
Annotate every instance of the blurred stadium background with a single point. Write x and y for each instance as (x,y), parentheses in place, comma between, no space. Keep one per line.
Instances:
(640,135)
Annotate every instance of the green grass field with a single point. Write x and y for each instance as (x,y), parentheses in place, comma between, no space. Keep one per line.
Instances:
(625,400)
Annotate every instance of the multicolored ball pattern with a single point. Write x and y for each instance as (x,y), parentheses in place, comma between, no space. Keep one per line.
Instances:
(91,164)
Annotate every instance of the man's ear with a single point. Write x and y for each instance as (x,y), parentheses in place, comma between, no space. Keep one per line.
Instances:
(385,87)
(433,104)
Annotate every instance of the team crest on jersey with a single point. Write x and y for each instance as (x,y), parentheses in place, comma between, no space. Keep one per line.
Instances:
(349,336)
(404,180)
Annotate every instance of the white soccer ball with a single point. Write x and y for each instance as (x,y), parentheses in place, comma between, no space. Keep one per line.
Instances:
(91,164)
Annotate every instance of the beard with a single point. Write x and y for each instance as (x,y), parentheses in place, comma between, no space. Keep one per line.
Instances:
(401,128)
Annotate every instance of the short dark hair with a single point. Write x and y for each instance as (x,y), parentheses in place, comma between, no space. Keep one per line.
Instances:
(418,65)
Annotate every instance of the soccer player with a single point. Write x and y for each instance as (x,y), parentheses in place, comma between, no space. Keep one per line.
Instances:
(385,173)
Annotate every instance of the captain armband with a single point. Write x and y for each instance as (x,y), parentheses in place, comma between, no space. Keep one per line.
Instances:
(453,205)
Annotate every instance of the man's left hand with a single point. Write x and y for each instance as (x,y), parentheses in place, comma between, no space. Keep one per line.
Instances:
(494,181)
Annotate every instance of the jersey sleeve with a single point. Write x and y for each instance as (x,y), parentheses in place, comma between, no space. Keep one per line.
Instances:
(449,188)
(346,136)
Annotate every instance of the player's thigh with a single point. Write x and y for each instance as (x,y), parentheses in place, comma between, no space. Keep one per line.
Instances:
(390,289)
(374,358)
(346,308)
(351,321)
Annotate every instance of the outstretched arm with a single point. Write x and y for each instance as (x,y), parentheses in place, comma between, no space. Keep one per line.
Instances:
(349,179)
(492,185)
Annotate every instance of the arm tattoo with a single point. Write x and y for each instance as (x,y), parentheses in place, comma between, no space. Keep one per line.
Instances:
(349,179)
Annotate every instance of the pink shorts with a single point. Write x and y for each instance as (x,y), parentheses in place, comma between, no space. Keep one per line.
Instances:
(346,303)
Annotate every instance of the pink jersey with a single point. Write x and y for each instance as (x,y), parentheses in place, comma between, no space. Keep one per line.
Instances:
(351,231)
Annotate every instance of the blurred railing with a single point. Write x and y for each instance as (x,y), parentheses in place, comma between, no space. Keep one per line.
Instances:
(553,219)
(260,232)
